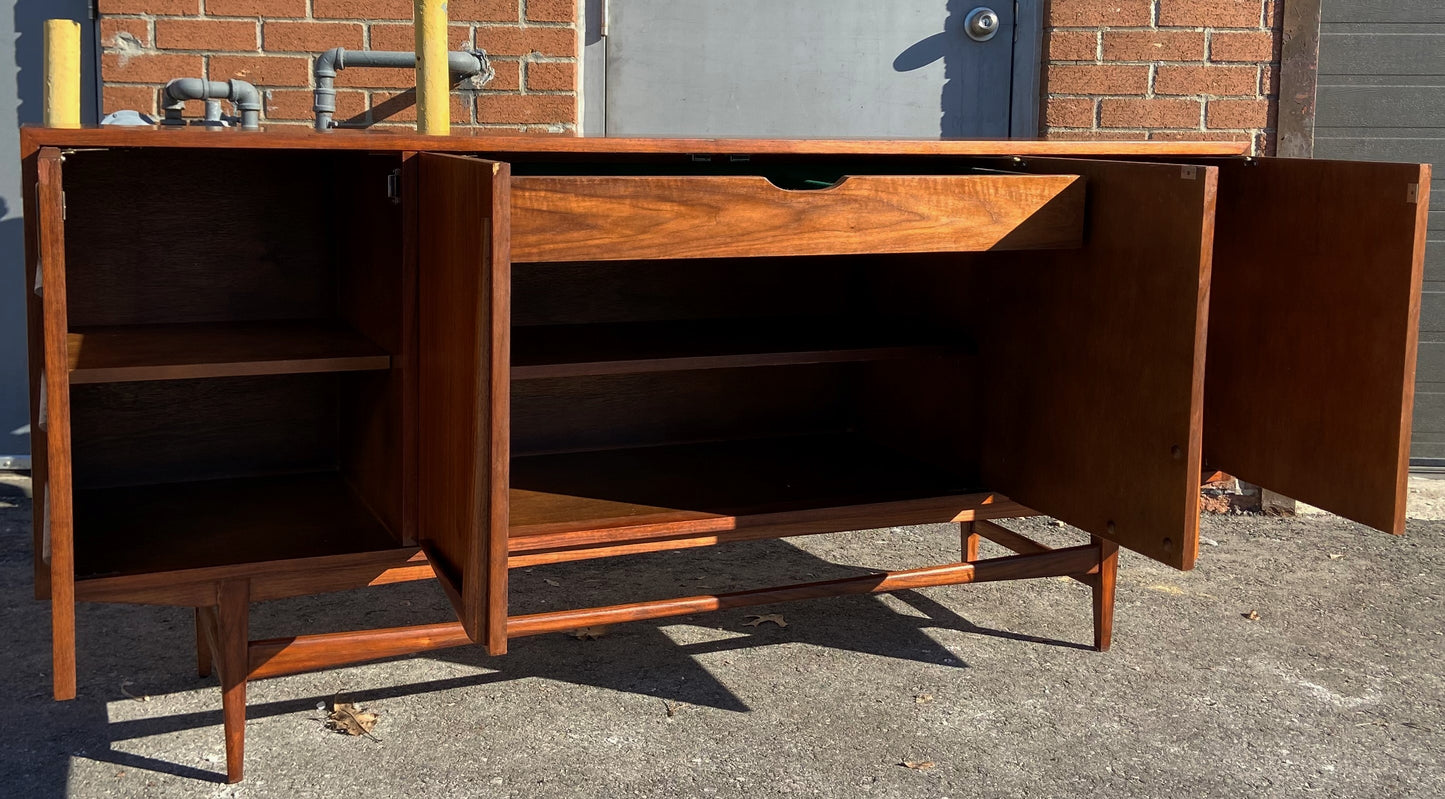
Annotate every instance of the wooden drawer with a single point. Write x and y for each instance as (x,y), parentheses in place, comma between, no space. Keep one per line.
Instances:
(613,218)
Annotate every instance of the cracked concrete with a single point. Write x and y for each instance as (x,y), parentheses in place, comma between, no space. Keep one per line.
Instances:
(1334,691)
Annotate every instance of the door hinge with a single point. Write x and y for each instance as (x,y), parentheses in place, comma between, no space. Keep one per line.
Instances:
(605,17)
(393,186)
(63,212)
(1412,194)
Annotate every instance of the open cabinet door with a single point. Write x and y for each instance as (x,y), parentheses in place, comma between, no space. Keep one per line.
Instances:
(1313,331)
(464,318)
(1095,386)
(50,409)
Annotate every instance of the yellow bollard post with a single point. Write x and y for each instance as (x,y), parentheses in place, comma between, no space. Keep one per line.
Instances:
(61,96)
(433,81)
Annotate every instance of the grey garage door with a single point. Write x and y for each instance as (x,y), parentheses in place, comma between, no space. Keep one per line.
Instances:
(1382,98)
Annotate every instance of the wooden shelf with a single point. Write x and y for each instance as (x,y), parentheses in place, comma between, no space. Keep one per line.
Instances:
(182,351)
(640,347)
(649,494)
(173,526)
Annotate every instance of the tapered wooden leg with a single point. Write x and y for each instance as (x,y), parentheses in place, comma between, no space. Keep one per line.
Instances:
(62,644)
(1103,588)
(203,647)
(970,541)
(233,638)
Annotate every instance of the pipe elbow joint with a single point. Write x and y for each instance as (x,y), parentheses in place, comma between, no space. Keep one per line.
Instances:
(329,62)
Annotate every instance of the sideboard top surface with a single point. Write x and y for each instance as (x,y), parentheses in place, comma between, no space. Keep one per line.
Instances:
(299,138)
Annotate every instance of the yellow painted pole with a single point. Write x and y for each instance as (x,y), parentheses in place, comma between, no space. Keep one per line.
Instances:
(433,82)
(61,97)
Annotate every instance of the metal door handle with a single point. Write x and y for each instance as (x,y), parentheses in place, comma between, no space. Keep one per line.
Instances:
(981,24)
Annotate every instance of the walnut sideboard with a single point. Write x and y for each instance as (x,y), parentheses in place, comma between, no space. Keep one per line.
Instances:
(280,363)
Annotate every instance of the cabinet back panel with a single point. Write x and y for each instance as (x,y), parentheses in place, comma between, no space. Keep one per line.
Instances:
(616,411)
(647,291)
(185,430)
(198,236)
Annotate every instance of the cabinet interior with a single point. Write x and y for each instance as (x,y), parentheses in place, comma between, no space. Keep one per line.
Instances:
(238,334)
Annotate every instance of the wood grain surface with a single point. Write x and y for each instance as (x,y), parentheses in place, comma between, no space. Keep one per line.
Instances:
(1313,331)
(464,435)
(612,218)
(489,142)
(1097,419)
(56,516)
(176,352)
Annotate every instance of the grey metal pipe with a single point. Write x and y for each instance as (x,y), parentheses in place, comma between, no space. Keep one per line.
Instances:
(240,93)
(461,65)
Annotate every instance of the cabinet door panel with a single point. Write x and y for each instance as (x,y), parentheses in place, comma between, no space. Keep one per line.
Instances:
(1093,408)
(1314,329)
(50,408)
(463,316)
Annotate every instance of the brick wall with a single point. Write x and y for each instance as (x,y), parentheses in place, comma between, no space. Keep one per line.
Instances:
(1162,69)
(1114,69)
(532,44)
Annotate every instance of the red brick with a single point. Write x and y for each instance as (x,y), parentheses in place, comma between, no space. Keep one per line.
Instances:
(1244,114)
(1153,45)
(1218,81)
(108,7)
(551,10)
(405,110)
(510,40)
(205,34)
(256,8)
(1069,112)
(1211,13)
(508,77)
(1264,142)
(1098,79)
(1072,46)
(526,108)
(1269,81)
(138,98)
(297,104)
(111,27)
(1273,13)
(1148,113)
(1199,135)
(400,78)
(1098,13)
(362,9)
(1253,46)
(403,37)
(149,67)
(310,37)
(551,76)
(1096,135)
(485,11)
(266,71)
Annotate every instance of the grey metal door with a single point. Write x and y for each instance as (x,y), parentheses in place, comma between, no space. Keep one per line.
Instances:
(806,68)
(1381,98)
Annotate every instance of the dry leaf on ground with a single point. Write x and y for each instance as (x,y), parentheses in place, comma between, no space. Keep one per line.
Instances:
(589,633)
(348,719)
(918,765)
(922,699)
(1253,615)
(775,618)
(140,698)
(550,581)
